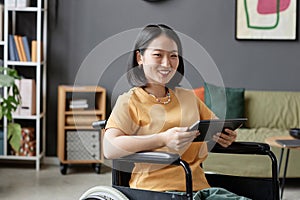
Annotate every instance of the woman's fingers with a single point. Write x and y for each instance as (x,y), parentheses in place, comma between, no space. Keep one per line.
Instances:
(221,141)
(180,137)
(225,140)
(231,134)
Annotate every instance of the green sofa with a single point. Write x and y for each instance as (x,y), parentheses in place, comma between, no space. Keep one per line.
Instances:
(269,113)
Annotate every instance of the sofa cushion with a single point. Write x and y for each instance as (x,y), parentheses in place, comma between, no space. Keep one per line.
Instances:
(225,102)
(272,109)
(199,92)
(252,165)
(259,134)
(269,113)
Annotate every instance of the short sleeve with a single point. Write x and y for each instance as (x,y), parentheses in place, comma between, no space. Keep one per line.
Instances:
(121,116)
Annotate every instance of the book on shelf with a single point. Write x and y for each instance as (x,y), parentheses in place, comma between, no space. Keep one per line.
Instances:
(27,91)
(19,50)
(78,101)
(22,48)
(34,51)
(10,3)
(79,107)
(78,104)
(12,48)
(28,95)
(26,48)
(22,3)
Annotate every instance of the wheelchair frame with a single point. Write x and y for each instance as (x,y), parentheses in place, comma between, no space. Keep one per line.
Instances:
(120,178)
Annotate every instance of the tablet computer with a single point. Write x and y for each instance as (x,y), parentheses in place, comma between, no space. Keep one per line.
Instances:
(208,128)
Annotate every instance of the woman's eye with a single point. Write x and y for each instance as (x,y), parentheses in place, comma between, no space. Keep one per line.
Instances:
(157,54)
(174,56)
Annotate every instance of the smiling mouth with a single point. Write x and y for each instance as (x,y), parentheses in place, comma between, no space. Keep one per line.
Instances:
(164,72)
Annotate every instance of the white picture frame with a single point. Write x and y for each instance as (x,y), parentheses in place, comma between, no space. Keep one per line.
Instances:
(266,19)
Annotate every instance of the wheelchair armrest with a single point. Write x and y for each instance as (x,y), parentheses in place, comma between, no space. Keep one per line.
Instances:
(146,157)
(152,157)
(99,124)
(243,148)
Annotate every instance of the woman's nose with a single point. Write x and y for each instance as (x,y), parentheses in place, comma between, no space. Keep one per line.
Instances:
(165,61)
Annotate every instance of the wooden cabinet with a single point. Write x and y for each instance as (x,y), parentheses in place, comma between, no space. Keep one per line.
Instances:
(78,142)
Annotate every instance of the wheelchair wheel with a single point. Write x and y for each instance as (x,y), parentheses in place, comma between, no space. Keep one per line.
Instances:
(103,193)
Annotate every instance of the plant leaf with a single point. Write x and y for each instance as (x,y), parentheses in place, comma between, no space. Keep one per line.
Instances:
(6,80)
(12,99)
(14,135)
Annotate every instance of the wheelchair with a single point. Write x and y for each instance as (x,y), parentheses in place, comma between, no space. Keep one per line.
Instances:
(261,188)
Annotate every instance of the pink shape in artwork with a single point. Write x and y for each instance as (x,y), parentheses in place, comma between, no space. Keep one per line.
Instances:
(270,6)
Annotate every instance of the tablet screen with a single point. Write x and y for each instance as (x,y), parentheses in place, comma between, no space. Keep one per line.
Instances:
(208,128)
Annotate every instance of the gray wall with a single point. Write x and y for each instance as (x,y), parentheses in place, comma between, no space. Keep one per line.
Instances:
(77,27)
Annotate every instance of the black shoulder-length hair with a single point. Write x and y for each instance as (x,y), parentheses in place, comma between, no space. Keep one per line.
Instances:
(135,74)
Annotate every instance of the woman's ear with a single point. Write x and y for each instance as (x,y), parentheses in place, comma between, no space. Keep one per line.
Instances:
(139,58)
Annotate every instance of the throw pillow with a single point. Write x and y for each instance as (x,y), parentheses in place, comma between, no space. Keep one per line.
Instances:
(199,92)
(226,103)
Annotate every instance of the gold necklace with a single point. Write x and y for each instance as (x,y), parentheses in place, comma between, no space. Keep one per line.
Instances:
(162,102)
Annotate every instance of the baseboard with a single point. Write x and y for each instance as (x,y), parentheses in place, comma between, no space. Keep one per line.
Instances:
(51,160)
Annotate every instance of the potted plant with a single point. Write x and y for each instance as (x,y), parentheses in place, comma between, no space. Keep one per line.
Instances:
(9,104)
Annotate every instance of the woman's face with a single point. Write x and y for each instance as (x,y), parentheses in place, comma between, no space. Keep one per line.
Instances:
(160,60)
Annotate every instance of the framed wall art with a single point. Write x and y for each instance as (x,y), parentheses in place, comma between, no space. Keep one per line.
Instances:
(266,19)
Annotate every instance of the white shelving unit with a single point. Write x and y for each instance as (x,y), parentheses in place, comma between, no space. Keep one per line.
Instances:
(40,70)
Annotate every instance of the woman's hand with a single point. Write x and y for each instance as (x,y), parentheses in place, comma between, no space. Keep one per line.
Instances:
(225,139)
(117,144)
(178,138)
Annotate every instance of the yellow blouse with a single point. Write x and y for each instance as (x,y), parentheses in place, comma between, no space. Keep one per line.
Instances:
(138,113)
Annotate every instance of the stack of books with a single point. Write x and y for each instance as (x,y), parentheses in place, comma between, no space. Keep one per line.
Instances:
(19,49)
(78,104)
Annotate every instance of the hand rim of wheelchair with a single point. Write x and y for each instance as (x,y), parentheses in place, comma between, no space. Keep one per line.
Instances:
(102,193)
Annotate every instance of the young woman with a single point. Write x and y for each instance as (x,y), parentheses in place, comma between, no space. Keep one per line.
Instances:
(155,115)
